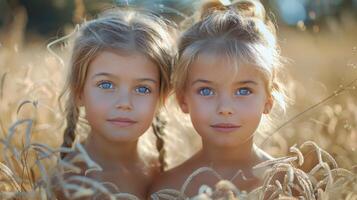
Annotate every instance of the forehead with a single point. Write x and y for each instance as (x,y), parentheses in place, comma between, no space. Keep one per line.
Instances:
(221,67)
(123,64)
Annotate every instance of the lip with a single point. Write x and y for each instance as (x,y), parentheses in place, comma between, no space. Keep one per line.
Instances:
(122,121)
(225,127)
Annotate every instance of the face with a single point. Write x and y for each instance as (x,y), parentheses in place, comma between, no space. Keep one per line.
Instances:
(120,95)
(225,107)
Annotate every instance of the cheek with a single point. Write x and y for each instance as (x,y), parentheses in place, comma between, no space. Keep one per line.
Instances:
(251,114)
(93,98)
(255,105)
(146,106)
(99,102)
(201,109)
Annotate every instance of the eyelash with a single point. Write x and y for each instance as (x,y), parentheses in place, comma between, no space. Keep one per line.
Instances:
(211,91)
(201,90)
(147,90)
(244,88)
(101,83)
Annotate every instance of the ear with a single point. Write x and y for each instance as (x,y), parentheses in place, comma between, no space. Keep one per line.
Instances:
(182,103)
(268,104)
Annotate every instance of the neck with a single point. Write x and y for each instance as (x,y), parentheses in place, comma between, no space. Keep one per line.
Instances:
(104,151)
(240,156)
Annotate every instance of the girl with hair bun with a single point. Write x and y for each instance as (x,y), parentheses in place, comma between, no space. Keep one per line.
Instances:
(226,79)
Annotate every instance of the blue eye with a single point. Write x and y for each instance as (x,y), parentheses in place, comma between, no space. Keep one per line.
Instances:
(206,92)
(143,90)
(105,85)
(243,92)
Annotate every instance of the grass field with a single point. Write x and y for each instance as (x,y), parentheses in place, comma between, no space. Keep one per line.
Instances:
(322,68)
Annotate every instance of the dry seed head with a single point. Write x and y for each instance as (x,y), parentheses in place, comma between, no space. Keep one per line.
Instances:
(297,151)
(194,174)
(205,189)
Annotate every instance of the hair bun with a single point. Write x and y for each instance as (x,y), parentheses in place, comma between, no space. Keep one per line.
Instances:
(210,6)
(249,8)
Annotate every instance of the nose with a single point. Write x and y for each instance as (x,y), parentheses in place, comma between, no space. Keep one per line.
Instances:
(225,106)
(123,101)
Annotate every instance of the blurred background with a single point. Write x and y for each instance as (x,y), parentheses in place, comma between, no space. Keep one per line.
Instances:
(318,38)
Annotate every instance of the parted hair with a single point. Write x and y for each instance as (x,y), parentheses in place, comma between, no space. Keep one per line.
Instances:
(123,31)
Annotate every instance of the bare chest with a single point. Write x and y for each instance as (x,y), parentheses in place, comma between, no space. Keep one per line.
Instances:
(193,186)
(132,182)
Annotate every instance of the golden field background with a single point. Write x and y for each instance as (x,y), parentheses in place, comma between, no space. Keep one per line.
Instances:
(322,62)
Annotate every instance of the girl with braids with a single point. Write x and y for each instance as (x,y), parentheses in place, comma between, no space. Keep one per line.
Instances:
(226,79)
(120,74)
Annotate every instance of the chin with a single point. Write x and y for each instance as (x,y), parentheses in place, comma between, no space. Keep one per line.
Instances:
(122,138)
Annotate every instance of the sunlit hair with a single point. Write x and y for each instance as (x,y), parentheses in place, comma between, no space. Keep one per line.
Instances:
(243,33)
(123,31)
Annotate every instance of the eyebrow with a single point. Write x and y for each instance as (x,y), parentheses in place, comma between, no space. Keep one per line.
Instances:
(111,75)
(200,81)
(147,79)
(102,74)
(236,83)
(246,82)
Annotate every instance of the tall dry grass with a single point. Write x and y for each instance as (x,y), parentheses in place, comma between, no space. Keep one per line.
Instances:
(31,125)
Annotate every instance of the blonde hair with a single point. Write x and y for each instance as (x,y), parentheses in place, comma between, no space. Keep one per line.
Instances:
(242,32)
(120,30)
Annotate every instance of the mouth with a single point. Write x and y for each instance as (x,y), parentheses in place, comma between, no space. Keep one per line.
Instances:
(122,122)
(225,127)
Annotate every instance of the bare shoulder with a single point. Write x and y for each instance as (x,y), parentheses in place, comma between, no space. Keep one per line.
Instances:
(171,179)
(174,178)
